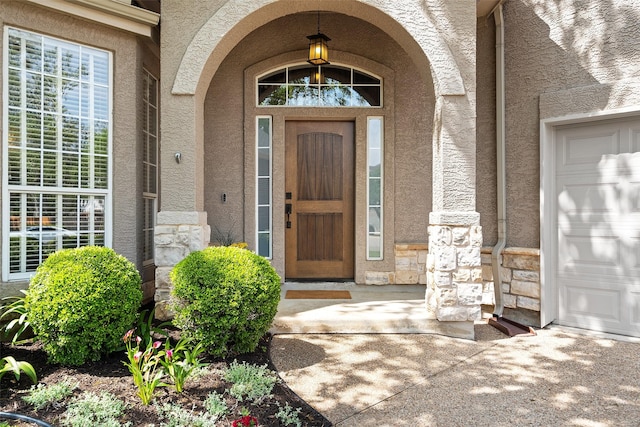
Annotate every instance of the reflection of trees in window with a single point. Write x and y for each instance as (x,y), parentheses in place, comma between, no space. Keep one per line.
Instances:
(57,137)
(322,86)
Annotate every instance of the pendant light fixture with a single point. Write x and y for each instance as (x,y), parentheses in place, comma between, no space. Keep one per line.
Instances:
(318,49)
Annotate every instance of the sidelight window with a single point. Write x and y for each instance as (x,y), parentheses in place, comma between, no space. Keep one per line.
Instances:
(375,132)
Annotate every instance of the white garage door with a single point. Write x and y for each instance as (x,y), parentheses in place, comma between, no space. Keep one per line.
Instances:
(598,225)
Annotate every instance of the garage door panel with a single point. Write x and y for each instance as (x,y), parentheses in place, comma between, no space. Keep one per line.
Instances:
(634,306)
(597,183)
(588,148)
(635,139)
(593,254)
(586,198)
(593,302)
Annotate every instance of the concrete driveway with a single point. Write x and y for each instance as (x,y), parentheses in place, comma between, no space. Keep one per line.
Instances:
(560,377)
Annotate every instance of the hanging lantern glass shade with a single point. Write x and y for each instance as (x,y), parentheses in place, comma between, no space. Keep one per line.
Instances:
(318,50)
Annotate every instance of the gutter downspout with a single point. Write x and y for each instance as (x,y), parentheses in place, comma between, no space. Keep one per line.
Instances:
(496,254)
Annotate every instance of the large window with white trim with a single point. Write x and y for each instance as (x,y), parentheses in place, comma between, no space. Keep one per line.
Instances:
(150,165)
(56,149)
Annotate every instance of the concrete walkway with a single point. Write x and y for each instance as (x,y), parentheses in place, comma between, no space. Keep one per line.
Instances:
(395,309)
(559,377)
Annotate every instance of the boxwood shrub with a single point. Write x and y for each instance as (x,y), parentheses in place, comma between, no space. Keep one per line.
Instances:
(81,301)
(225,298)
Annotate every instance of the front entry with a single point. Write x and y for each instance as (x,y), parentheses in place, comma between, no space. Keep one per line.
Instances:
(319,198)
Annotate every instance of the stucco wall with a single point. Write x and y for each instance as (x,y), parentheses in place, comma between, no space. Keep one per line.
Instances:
(127,64)
(584,47)
(486,130)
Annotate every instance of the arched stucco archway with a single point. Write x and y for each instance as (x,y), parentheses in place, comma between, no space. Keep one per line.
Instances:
(407,22)
(439,39)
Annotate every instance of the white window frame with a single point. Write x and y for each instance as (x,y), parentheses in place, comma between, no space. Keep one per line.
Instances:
(41,190)
(379,235)
(268,205)
(318,84)
(147,195)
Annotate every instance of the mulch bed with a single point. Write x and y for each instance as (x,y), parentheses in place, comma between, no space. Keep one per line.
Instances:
(112,376)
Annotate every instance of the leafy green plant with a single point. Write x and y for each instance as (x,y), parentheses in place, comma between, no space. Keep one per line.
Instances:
(289,416)
(14,312)
(224,297)
(145,328)
(179,362)
(81,301)
(177,416)
(250,381)
(10,364)
(144,366)
(90,409)
(215,404)
(42,396)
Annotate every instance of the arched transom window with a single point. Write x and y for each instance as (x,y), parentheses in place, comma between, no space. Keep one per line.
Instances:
(319,86)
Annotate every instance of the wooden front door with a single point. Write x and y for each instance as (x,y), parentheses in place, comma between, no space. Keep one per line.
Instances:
(319,198)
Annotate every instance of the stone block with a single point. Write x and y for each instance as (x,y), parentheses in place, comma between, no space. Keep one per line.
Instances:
(445,258)
(509,301)
(460,236)
(462,275)
(440,236)
(474,313)
(505,274)
(163,239)
(485,258)
(406,263)
(475,236)
(379,278)
(528,289)
(170,255)
(442,278)
(476,274)
(413,247)
(422,279)
(488,296)
(528,303)
(528,275)
(469,293)
(406,277)
(447,297)
(452,314)
(487,272)
(422,257)
(469,257)
(521,262)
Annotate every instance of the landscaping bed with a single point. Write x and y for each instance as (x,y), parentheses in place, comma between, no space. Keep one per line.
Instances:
(112,376)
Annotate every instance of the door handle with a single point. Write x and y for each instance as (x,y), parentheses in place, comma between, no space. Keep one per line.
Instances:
(288,209)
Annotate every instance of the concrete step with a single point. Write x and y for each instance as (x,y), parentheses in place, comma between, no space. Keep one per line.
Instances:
(391,309)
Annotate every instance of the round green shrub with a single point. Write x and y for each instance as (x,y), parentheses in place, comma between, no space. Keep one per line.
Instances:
(81,301)
(225,298)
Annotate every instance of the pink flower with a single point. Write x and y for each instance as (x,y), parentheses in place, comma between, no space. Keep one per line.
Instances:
(157,344)
(137,356)
(138,339)
(128,335)
(169,354)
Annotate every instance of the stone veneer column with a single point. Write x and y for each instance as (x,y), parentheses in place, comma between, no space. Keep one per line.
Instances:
(176,235)
(454,267)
